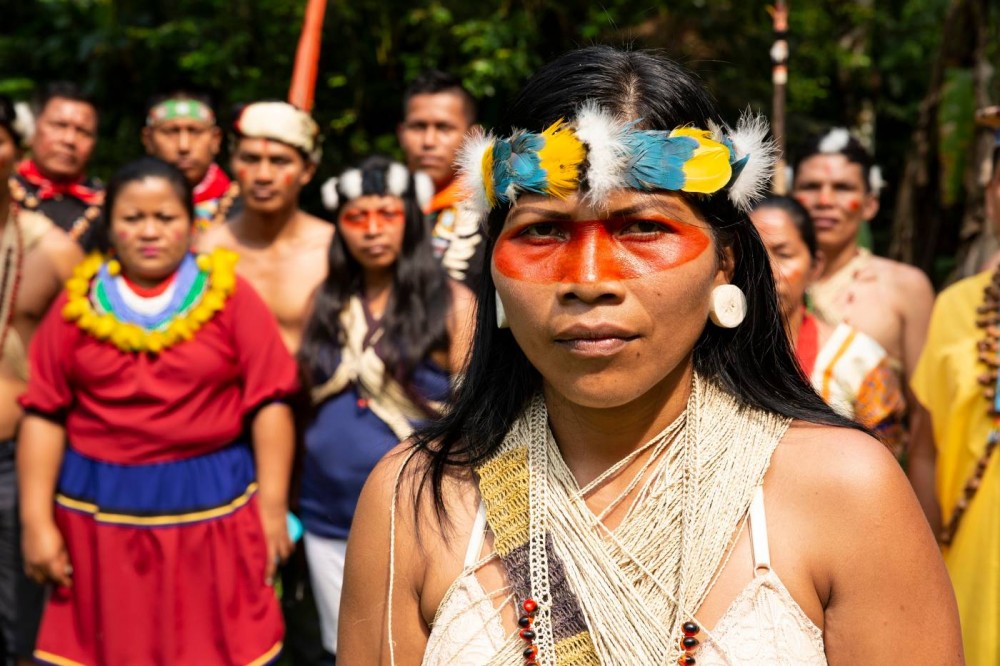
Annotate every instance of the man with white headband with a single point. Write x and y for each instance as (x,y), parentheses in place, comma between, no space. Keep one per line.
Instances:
(181,128)
(282,249)
(838,184)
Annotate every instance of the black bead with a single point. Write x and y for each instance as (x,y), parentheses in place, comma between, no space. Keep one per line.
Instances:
(528,635)
(690,628)
(524,621)
(530,653)
(689,660)
(689,642)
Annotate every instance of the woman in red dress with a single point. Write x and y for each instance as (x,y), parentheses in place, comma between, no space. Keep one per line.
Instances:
(156,450)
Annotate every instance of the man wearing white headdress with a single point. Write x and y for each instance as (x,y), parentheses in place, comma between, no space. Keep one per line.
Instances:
(275,151)
(891,302)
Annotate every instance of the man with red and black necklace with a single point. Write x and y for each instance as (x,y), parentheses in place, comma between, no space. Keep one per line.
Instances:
(54,181)
(181,128)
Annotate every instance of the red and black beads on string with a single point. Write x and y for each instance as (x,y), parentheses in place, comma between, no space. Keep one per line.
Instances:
(526,630)
(689,643)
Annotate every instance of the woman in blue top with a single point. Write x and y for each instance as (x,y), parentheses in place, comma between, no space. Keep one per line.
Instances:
(387,331)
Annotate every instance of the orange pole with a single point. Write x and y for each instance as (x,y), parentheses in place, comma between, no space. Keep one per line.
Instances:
(303,88)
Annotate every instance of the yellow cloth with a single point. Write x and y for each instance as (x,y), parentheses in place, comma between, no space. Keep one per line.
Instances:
(945,382)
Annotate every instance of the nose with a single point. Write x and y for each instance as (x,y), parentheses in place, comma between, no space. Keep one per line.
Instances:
(149,228)
(374,225)
(265,172)
(589,271)
(430,137)
(184,141)
(824,197)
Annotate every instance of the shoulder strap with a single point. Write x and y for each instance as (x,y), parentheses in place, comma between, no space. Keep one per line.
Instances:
(758,534)
(476,537)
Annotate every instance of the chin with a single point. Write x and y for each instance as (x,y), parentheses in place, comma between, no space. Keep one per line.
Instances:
(602,391)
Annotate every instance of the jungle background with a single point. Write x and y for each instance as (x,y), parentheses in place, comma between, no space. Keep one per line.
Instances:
(907,75)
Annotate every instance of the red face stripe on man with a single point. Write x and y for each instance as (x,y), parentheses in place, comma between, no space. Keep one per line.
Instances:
(596,250)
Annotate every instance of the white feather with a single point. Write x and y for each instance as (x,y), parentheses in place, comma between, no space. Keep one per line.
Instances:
(470,170)
(423,188)
(329,193)
(875,180)
(397,179)
(750,138)
(834,141)
(607,154)
(350,184)
(24,122)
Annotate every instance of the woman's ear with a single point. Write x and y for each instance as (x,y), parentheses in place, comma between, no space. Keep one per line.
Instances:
(727,266)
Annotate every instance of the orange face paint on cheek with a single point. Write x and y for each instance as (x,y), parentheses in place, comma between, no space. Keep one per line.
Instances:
(854,205)
(593,251)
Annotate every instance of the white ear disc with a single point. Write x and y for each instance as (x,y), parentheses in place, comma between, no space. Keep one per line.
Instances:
(501,313)
(729,306)
(329,194)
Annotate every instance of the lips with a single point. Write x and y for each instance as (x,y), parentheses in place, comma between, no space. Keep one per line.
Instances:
(595,340)
(149,252)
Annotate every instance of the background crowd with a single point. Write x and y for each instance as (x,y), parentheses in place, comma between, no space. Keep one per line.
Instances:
(228,336)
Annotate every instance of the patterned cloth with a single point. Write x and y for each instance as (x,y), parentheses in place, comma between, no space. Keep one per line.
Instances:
(852,374)
(455,236)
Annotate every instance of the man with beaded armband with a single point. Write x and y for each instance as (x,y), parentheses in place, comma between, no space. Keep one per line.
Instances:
(181,128)
(956,474)
(54,180)
(36,257)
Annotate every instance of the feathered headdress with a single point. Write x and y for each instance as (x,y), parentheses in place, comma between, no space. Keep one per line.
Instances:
(602,153)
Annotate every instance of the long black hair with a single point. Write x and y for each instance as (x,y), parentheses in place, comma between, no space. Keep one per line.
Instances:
(415,319)
(754,362)
(137,170)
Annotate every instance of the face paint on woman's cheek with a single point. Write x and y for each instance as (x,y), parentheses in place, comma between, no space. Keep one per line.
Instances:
(854,205)
(592,253)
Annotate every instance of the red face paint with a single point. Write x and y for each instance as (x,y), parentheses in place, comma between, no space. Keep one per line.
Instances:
(854,205)
(596,250)
(373,221)
(288,179)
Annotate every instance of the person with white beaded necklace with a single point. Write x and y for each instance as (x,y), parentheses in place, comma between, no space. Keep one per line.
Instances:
(633,469)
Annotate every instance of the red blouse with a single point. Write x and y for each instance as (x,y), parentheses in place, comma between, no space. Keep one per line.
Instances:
(190,399)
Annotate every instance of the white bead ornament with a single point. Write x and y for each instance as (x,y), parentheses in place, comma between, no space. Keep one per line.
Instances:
(729,306)
(501,313)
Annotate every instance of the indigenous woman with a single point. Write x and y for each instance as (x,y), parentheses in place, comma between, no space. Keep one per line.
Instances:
(388,330)
(629,425)
(849,370)
(142,498)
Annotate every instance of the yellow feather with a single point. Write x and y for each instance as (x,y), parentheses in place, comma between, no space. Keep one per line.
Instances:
(708,170)
(560,158)
(488,186)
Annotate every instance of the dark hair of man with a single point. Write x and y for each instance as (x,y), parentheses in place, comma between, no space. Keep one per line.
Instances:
(142,169)
(433,82)
(180,93)
(415,320)
(754,362)
(62,90)
(8,116)
(853,151)
(797,214)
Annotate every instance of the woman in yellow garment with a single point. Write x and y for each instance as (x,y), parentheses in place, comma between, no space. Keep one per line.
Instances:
(948,382)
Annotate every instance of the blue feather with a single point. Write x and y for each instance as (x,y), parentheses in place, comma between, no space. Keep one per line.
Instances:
(525,164)
(657,160)
(502,174)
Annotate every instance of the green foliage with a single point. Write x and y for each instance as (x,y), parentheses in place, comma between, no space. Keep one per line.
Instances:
(844,56)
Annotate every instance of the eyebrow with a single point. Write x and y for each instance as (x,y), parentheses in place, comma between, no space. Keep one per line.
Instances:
(617,214)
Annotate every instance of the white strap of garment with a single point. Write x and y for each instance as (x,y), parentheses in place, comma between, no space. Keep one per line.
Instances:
(758,534)
(477,537)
